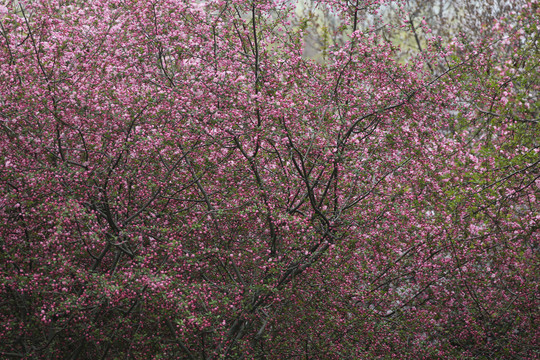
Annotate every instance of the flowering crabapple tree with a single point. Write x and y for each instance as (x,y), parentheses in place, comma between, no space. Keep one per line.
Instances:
(180,182)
